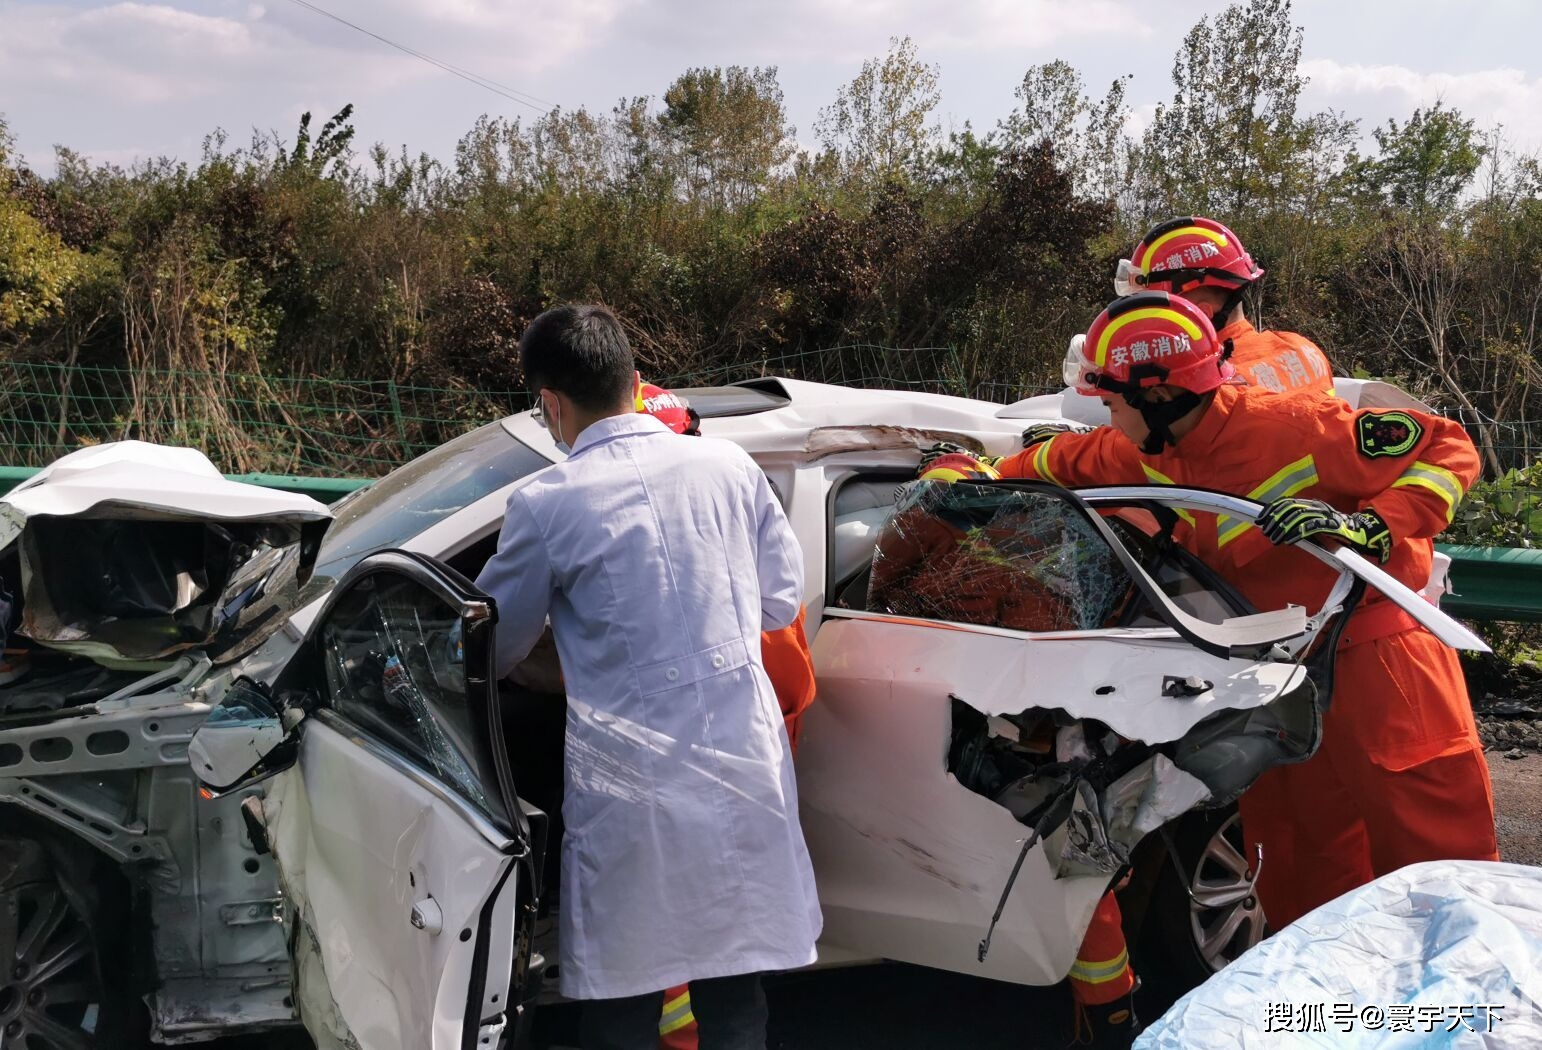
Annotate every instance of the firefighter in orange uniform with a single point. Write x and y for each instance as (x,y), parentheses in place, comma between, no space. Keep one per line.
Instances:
(1205,262)
(1400,775)
(788,664)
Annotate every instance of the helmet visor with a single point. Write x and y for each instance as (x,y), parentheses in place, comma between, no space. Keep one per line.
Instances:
(1124,279)
(1077,369)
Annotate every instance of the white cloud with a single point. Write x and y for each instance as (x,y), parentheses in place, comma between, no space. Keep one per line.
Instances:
(103,77)
(815,30)
(1509,97)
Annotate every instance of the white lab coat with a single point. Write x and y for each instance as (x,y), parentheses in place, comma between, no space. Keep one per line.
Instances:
(660,559)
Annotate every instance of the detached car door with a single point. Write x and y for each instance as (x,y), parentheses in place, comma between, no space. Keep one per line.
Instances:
(399,838)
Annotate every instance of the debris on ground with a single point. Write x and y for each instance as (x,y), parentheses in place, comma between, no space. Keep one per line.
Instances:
(1520,735)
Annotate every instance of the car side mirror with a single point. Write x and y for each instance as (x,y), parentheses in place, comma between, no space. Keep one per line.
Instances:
(244,740)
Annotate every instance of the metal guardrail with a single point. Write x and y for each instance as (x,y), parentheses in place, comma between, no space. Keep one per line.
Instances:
(1494,583)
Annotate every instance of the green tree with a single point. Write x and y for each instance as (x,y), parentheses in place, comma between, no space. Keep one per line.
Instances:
(1425,163)
(1088,136)
(880,124)
(1230,140)
(36,267)
(730,127)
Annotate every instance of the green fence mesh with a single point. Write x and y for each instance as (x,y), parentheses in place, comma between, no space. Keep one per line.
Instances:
(357,427)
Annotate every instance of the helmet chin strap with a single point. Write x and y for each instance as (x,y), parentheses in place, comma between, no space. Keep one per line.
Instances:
(1159,417)
(1231,302)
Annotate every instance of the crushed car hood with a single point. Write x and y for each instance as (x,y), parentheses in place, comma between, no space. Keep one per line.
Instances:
(133,552)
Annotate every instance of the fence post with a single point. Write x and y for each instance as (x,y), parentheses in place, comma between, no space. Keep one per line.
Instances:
(396,411)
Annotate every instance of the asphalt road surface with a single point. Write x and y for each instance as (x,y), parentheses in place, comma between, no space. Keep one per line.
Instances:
(907,1008)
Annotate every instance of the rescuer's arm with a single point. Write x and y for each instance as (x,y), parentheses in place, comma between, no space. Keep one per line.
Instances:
(1407,470)
(1099,457)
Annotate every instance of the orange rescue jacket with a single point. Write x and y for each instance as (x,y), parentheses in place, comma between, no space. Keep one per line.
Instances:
(1412,468)
(1280,361)
(791,670)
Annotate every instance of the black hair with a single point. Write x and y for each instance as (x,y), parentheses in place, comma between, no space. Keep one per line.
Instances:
(580,351)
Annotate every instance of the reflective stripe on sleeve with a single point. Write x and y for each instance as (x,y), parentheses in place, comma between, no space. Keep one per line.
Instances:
(1287,481)
(1152,474)
(1438,480)
(1041,462)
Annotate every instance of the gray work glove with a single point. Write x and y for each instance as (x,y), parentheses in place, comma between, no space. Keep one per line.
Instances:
(1041,432)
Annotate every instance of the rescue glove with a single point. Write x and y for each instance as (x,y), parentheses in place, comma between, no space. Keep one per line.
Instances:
(1042,432)
(1291,519)
(948,448)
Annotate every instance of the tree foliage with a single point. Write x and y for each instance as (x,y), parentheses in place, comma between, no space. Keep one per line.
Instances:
(1415,255)
(880,125)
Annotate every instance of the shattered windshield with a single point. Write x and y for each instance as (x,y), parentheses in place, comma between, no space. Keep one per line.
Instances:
(995,556)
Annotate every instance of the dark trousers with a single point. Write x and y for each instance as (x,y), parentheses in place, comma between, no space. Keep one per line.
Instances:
(730,1015)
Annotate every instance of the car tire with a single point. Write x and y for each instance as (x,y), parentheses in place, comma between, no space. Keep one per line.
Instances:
(1188,940)
(65,982)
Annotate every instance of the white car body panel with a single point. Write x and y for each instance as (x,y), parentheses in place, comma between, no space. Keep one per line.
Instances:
(359,842)
(150,482)
(1006,672)
(910,863)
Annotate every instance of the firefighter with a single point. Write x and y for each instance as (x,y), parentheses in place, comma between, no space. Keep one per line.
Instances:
(1206,263)
(1399,776)
(788,664)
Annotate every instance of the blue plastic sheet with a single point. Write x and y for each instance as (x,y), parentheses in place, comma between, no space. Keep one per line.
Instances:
(1446,954)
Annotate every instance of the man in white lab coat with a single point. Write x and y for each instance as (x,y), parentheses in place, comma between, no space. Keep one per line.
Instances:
(659,562)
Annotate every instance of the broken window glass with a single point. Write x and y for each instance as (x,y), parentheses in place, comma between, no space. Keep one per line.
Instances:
(995,556)
(395,667)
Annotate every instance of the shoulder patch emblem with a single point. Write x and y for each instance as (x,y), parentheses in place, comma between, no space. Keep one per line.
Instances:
(1387,433)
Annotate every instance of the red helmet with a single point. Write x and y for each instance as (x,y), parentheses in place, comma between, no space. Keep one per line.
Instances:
(665,406)
(1186,253)
(1146,340)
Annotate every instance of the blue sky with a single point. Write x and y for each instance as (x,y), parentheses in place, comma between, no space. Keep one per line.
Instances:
(120,81)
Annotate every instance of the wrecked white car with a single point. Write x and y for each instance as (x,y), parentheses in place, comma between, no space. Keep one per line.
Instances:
(983,760)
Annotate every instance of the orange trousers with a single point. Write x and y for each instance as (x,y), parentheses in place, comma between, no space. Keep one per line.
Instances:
(1399,778)
(1101,973)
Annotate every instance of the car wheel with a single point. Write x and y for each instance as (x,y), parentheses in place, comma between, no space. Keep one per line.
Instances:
(52,995)
(1209,914)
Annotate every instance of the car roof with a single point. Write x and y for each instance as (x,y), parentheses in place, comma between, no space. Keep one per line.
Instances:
(779,415)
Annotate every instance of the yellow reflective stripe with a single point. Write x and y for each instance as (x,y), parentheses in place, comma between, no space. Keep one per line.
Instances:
(1100,972)
(1152,474)
(1438,480)
(1287,481)
(1182,231)
(677,1014)
(1100,358)
(1041,463)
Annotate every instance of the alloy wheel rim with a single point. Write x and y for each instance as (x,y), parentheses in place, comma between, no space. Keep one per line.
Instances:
(50,995)
(1225,915)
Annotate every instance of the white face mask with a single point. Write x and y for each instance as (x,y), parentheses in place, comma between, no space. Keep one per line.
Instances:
(556,431)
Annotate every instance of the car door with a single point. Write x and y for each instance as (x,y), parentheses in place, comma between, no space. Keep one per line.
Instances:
(920,795)
(400,842)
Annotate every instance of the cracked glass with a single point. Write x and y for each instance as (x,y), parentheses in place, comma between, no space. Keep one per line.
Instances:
(395,667)
(996,556)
